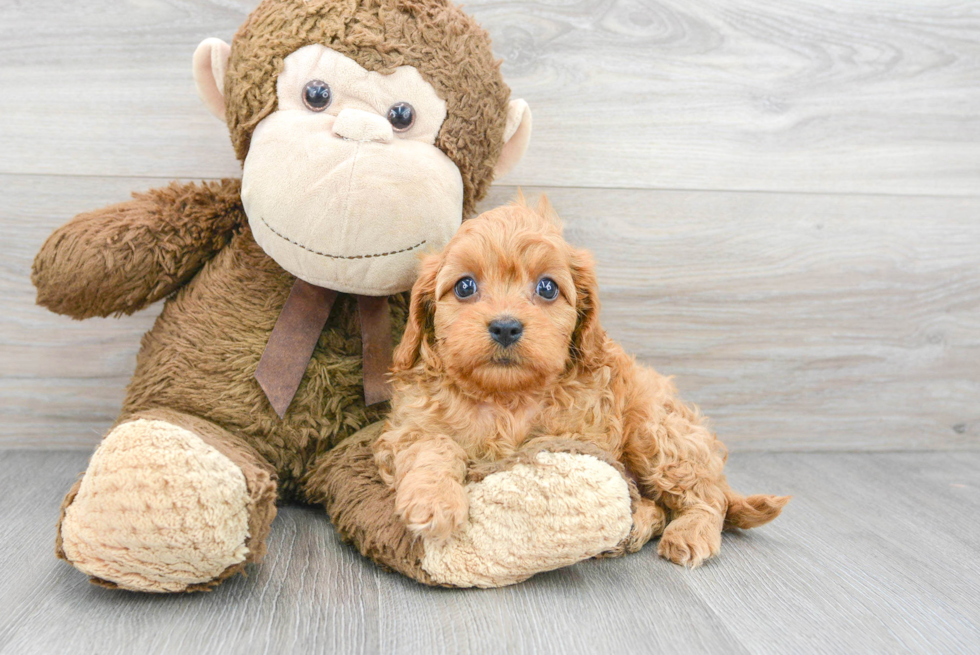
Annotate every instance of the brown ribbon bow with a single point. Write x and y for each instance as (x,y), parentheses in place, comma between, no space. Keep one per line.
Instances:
(297,331)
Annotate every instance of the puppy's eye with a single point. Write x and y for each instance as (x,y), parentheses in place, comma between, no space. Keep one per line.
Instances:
(547,288)
(316,95)
(465,287)
(401,115)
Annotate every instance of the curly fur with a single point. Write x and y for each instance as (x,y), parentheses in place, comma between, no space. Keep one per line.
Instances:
(461,397)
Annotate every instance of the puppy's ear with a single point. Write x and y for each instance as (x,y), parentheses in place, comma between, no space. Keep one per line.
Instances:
(588,337)
(546,211)
(420,317)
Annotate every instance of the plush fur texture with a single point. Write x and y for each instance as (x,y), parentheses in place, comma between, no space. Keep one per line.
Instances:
(148,534)
(191,245)
(120,508)
(200,357)
(497,543)
(198,361)
(462,397)
(122,258)
(450,50)
(549,505)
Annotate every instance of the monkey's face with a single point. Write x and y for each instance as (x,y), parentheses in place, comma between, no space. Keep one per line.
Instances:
(343,184)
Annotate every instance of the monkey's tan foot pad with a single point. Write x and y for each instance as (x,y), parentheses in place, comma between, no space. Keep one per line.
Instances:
(547,507)
(553,511)
(157,510)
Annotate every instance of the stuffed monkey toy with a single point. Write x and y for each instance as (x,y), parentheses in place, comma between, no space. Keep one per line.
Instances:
(367,131)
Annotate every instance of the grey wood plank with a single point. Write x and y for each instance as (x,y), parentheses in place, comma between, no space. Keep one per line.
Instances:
(876,553)
(796,322)
(310,594)
(61,381)
(859,96)
(871,556)
(604,606)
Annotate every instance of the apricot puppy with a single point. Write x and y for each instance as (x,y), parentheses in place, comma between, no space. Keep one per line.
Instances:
(503,345)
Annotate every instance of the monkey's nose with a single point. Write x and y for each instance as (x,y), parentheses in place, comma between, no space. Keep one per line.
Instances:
(506,331)
(358,125)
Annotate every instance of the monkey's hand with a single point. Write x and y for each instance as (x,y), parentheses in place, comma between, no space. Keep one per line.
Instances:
(119,259)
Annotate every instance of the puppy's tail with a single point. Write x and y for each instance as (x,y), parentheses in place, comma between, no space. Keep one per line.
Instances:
(746,512)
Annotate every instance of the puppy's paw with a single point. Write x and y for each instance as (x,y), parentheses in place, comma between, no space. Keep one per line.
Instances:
(433,511)
(649,520)
(689,543)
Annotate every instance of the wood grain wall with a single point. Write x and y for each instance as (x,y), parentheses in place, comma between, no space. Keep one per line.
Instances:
(784,198)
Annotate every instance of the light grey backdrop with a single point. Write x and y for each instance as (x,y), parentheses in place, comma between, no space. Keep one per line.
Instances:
(784,198)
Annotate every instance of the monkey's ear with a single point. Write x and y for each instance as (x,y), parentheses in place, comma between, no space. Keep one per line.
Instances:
(517,134)
(210,65)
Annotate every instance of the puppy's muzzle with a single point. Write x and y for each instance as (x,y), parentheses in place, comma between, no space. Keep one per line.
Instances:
(506,331)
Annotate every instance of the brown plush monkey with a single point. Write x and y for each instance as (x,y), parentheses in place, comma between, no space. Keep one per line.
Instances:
(367,130)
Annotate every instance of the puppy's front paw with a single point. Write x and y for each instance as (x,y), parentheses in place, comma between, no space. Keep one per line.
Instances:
(649,520)
(689,543)
(432,511)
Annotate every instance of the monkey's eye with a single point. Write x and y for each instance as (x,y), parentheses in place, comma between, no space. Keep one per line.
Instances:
(465,287)
(401,115)
(547,288)
(316,95)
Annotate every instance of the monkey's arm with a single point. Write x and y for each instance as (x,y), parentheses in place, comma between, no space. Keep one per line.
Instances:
(121,258)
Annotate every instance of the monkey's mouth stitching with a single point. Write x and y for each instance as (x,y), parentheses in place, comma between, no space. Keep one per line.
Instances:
(326,254)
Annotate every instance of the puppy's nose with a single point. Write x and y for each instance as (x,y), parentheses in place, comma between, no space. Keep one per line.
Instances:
(506,331)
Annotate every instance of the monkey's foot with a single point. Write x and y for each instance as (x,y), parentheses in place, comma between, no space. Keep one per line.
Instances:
(552,510)
(158,509)
(551,505)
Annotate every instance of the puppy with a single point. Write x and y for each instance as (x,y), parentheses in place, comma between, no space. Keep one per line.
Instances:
(503,345)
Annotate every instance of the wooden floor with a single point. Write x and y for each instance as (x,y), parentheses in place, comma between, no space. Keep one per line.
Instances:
(877,553)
